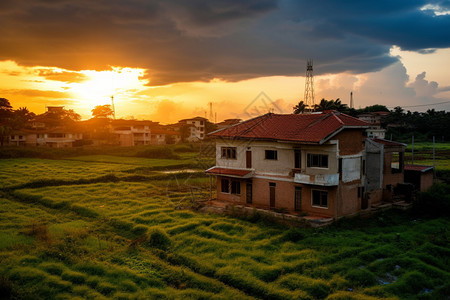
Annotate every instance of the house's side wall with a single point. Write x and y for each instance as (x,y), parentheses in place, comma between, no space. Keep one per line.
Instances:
(390,178)
(232,198)
(426,180)
(350,141)
(348,201)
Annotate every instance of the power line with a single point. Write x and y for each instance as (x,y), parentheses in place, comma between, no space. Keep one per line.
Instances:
(421,105)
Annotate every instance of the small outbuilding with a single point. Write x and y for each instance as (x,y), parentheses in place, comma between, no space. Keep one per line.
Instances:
(420,176)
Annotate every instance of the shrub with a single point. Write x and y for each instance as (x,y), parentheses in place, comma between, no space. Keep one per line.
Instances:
(434,202)
(410,283)
(106,288)
(361,277)
(91,269)
(159,239)
(293,235)
(52,268)
(84,211)
(75,277)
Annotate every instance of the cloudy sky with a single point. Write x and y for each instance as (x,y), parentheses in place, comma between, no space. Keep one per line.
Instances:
(163,60)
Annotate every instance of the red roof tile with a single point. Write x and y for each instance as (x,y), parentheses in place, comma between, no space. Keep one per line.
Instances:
(307,128)
(228,172)
(418,168)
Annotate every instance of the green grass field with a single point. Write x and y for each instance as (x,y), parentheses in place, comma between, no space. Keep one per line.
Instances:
(131,236)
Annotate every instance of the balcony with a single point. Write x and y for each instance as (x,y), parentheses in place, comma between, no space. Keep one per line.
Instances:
(322,179)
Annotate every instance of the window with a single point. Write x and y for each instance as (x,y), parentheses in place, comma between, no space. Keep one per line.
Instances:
(317,161)
(229,152)
(235,186)
(225,186)
(320,198)
(272,154)
(298,159)
(397,162)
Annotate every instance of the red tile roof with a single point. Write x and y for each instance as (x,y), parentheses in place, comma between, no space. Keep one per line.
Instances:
(418,168)
(306,128)
(228,172)
(388,143)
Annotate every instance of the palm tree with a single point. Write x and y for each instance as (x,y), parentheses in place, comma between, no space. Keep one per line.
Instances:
(300,108)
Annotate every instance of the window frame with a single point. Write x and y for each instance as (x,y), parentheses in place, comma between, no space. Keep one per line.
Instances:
(274,154)
(311,157)
(228,152)
(225,186)
(230,186)
(321,194)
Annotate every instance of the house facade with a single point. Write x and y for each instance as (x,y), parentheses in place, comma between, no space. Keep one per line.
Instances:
(306,164)
(196,127)
(132,132)
(54,138)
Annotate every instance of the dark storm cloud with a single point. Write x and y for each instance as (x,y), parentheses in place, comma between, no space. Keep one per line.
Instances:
(233,40)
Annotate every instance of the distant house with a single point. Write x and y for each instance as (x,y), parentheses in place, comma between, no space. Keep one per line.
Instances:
(162,136)
(132,132)
(227,123)
(305,163)
(196,128)
(374,119)
(53,137)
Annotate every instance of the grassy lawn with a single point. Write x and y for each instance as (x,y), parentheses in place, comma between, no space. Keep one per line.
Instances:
(130,240)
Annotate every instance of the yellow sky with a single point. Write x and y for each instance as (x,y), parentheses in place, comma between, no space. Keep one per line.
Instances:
(39,86)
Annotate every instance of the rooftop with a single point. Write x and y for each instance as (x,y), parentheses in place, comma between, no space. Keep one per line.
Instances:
(302,128)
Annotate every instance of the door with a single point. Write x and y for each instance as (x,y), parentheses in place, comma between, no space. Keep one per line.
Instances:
(249,193)
(272,194)
(248,159)
(298,198)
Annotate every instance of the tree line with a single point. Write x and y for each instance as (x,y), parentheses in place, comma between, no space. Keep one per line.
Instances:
(400,124)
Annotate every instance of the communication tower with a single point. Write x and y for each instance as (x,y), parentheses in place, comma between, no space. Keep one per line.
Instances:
(309,85)
(351,99)
(113,108)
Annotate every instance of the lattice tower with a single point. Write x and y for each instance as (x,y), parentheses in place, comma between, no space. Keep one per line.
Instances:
(309,85)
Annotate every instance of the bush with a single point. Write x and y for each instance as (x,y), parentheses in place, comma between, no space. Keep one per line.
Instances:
(52,268)
(361,277)
(74,277)
(434,202)
(106,288)
(159,239)
(139,229)
(292,235)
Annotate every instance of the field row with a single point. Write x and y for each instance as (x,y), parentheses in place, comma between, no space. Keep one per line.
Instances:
(129,239)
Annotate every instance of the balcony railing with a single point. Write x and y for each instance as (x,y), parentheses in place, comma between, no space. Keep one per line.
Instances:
(322,179)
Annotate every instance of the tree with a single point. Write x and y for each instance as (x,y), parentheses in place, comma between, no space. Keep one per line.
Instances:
(5,110)
(300,108)
(102,111)
(4,132)
(20,117)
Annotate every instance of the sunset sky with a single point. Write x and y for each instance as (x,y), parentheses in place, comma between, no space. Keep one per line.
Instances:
(166,60)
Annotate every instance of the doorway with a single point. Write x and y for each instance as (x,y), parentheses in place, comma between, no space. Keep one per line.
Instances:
(272,186)
(248,159)
(298,199)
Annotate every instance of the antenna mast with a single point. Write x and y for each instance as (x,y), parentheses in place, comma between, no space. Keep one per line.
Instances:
(309,85)
(113,108)
(351,99)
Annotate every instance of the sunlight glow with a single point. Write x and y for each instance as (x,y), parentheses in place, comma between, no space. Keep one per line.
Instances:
(101,85)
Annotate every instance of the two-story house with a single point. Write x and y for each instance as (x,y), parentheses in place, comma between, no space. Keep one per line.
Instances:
(196,127)
(306,163)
